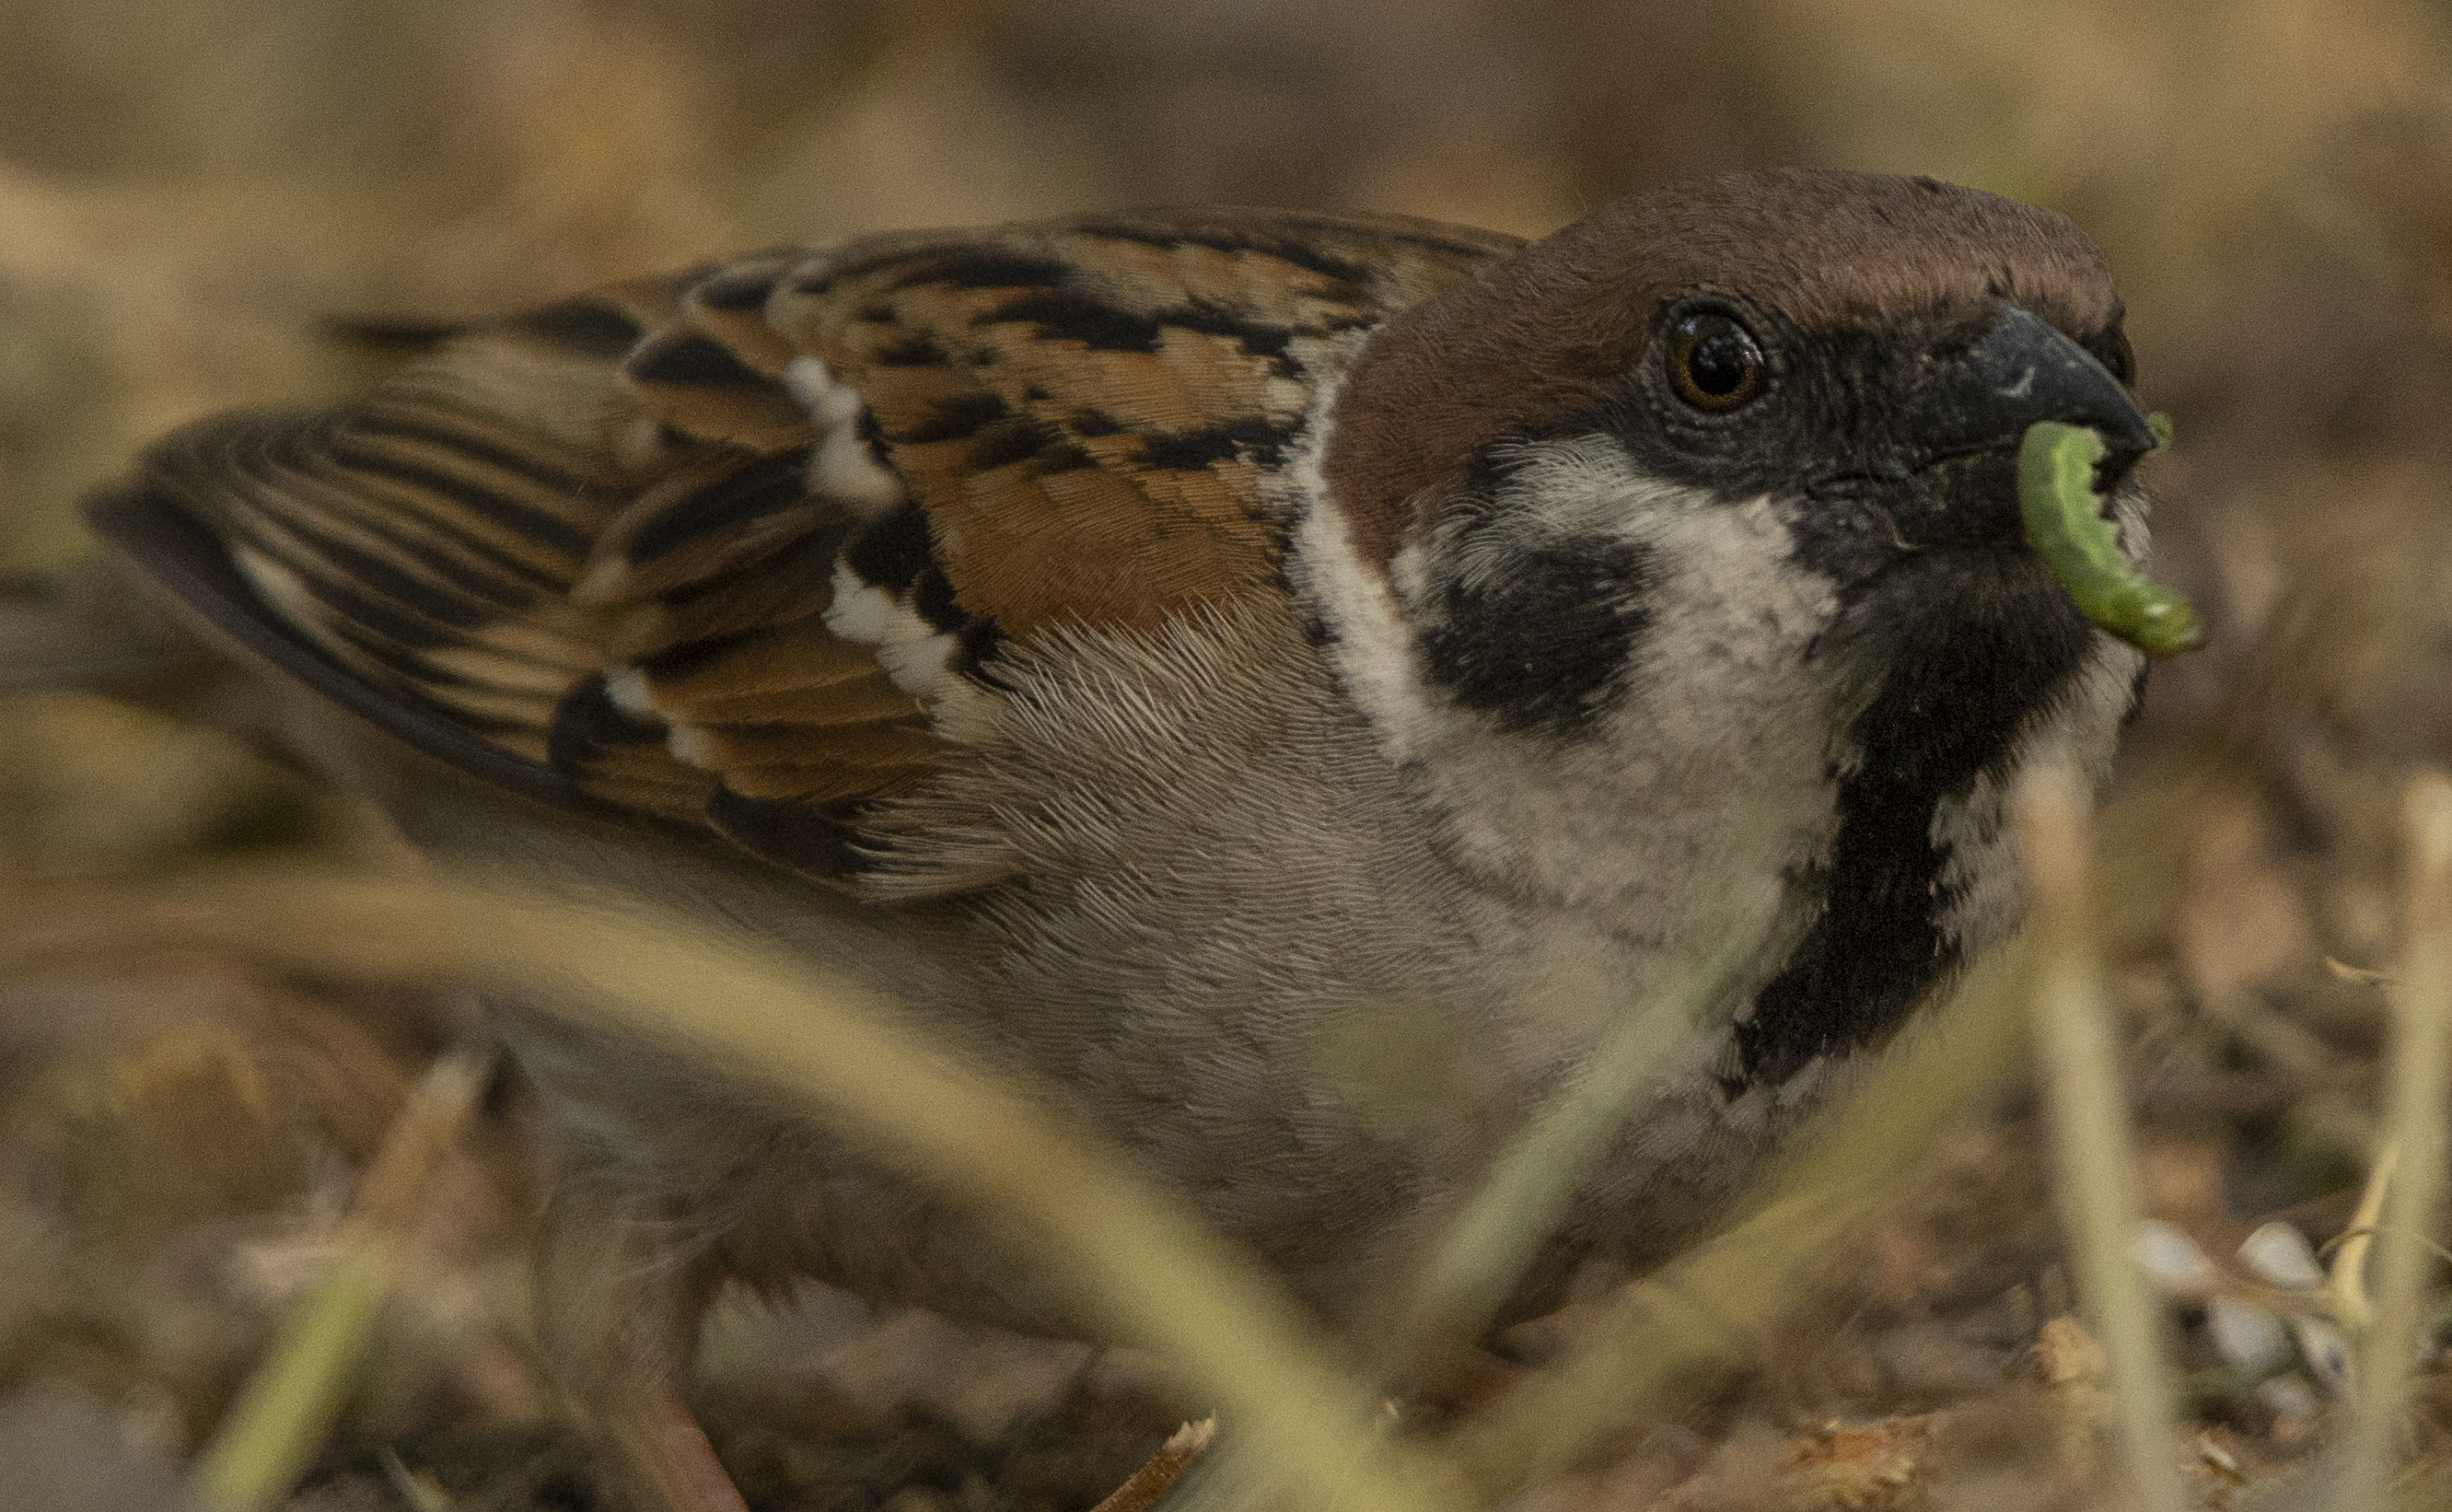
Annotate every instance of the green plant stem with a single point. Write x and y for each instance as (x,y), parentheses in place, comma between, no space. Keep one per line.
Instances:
(293,1398)
(296,1393)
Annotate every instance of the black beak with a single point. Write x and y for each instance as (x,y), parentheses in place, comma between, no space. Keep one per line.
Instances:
(2021,371)
(1962,426)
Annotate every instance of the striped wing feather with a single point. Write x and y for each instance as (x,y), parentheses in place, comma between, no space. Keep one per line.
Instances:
(717,548)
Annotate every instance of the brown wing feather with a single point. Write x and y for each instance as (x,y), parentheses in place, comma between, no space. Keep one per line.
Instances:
(716,548)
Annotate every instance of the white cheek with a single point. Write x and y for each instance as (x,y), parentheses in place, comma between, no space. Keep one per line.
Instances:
(1717,741)
(1714,745)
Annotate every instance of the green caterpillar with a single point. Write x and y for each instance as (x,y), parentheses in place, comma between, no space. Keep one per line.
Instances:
(2065,523)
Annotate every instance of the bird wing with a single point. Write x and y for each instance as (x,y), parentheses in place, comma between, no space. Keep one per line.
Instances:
(722,550)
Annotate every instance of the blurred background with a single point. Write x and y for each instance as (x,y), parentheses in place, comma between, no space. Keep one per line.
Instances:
(193,192)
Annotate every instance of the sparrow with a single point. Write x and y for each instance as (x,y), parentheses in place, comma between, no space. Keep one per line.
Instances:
(1167,651)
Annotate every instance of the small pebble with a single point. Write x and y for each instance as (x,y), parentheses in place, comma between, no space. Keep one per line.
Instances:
(2279,1253)
(2171,1259)
(2246,1335)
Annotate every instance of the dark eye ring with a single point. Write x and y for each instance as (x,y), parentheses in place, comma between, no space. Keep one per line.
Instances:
(1715,363)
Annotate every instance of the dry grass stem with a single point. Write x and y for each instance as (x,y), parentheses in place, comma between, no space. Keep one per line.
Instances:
(1151,1483)
(1714,1305)
(2351,1304)
(1141,1265)
(2097,1185)
(2418,1079)
(416,1487)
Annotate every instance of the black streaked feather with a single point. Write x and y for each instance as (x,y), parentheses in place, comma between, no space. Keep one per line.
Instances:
(821,840)
(735,290)
(695,362)
(766,486)
(893,550)
(588,725)
(519,519)
(158,533)
(586,326)
(1259,441)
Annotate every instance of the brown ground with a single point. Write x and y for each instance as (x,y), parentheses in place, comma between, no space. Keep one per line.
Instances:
(189,187)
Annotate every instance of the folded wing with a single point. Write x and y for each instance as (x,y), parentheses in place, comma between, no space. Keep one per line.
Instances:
(722,552)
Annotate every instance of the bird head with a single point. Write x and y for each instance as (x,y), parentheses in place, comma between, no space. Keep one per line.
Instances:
(1680,561)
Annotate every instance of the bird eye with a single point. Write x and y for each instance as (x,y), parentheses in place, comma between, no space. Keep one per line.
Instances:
(1713,363)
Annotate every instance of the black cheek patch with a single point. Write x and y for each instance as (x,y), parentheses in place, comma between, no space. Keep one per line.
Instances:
(1539,643)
